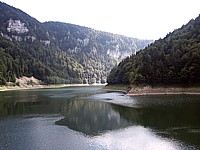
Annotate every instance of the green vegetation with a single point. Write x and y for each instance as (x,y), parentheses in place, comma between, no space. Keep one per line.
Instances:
(58,53)
(174,59)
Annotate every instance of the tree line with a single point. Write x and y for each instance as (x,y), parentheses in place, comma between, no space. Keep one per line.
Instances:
(174,59)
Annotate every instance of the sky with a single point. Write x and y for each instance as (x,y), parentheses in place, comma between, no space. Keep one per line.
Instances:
(143,19)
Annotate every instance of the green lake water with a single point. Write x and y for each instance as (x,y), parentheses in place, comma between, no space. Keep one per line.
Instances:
(92,118)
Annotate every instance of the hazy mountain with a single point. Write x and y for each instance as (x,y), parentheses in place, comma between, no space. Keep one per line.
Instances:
(57,52)
(171,60)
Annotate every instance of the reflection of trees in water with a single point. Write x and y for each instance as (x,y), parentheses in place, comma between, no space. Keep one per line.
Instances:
(130,114)
(163,112)
(19,96)
(181,122)
(37,102)
(92,117)
(20,108)
(28,102)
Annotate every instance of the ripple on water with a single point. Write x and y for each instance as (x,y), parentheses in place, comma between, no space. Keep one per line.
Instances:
(115,98)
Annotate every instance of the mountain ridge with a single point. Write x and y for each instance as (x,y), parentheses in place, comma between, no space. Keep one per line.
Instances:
(58,52)
(171,60)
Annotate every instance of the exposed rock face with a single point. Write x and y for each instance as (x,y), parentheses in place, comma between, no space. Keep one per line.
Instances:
(30,37)
(46,42)
(23,81)
(16,26)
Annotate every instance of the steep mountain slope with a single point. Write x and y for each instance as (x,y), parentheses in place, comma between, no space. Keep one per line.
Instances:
(173,59)
(29,35)
(58,52)
(98,52)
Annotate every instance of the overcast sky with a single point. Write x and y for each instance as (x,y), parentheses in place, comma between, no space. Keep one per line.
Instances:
(144,19)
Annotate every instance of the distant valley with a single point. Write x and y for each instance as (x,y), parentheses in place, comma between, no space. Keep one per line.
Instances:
(56,52)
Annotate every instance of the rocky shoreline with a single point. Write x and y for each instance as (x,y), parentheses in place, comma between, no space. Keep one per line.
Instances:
(28,87)
(147,90)
(27,83)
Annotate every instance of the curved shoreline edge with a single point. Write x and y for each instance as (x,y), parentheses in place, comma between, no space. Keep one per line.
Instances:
(134,91)
(148,90)
(30,87)
(164,91)
(168,93)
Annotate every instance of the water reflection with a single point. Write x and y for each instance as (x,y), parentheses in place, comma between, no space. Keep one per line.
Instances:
(172,116)
(92,118)
(95,113)
(137,137)
(89,117)
(47,101)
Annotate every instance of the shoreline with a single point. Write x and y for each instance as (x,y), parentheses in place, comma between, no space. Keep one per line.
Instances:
(164,91)
(168,93)
(30,87)
(148,90)
(134,91)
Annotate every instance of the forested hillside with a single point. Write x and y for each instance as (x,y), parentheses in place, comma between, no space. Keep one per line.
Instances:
(174,59)
(57,52)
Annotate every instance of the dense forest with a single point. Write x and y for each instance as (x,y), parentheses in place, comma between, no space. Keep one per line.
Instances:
(56,52)
(174,59)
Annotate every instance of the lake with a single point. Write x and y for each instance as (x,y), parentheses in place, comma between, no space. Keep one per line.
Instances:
(93,118)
